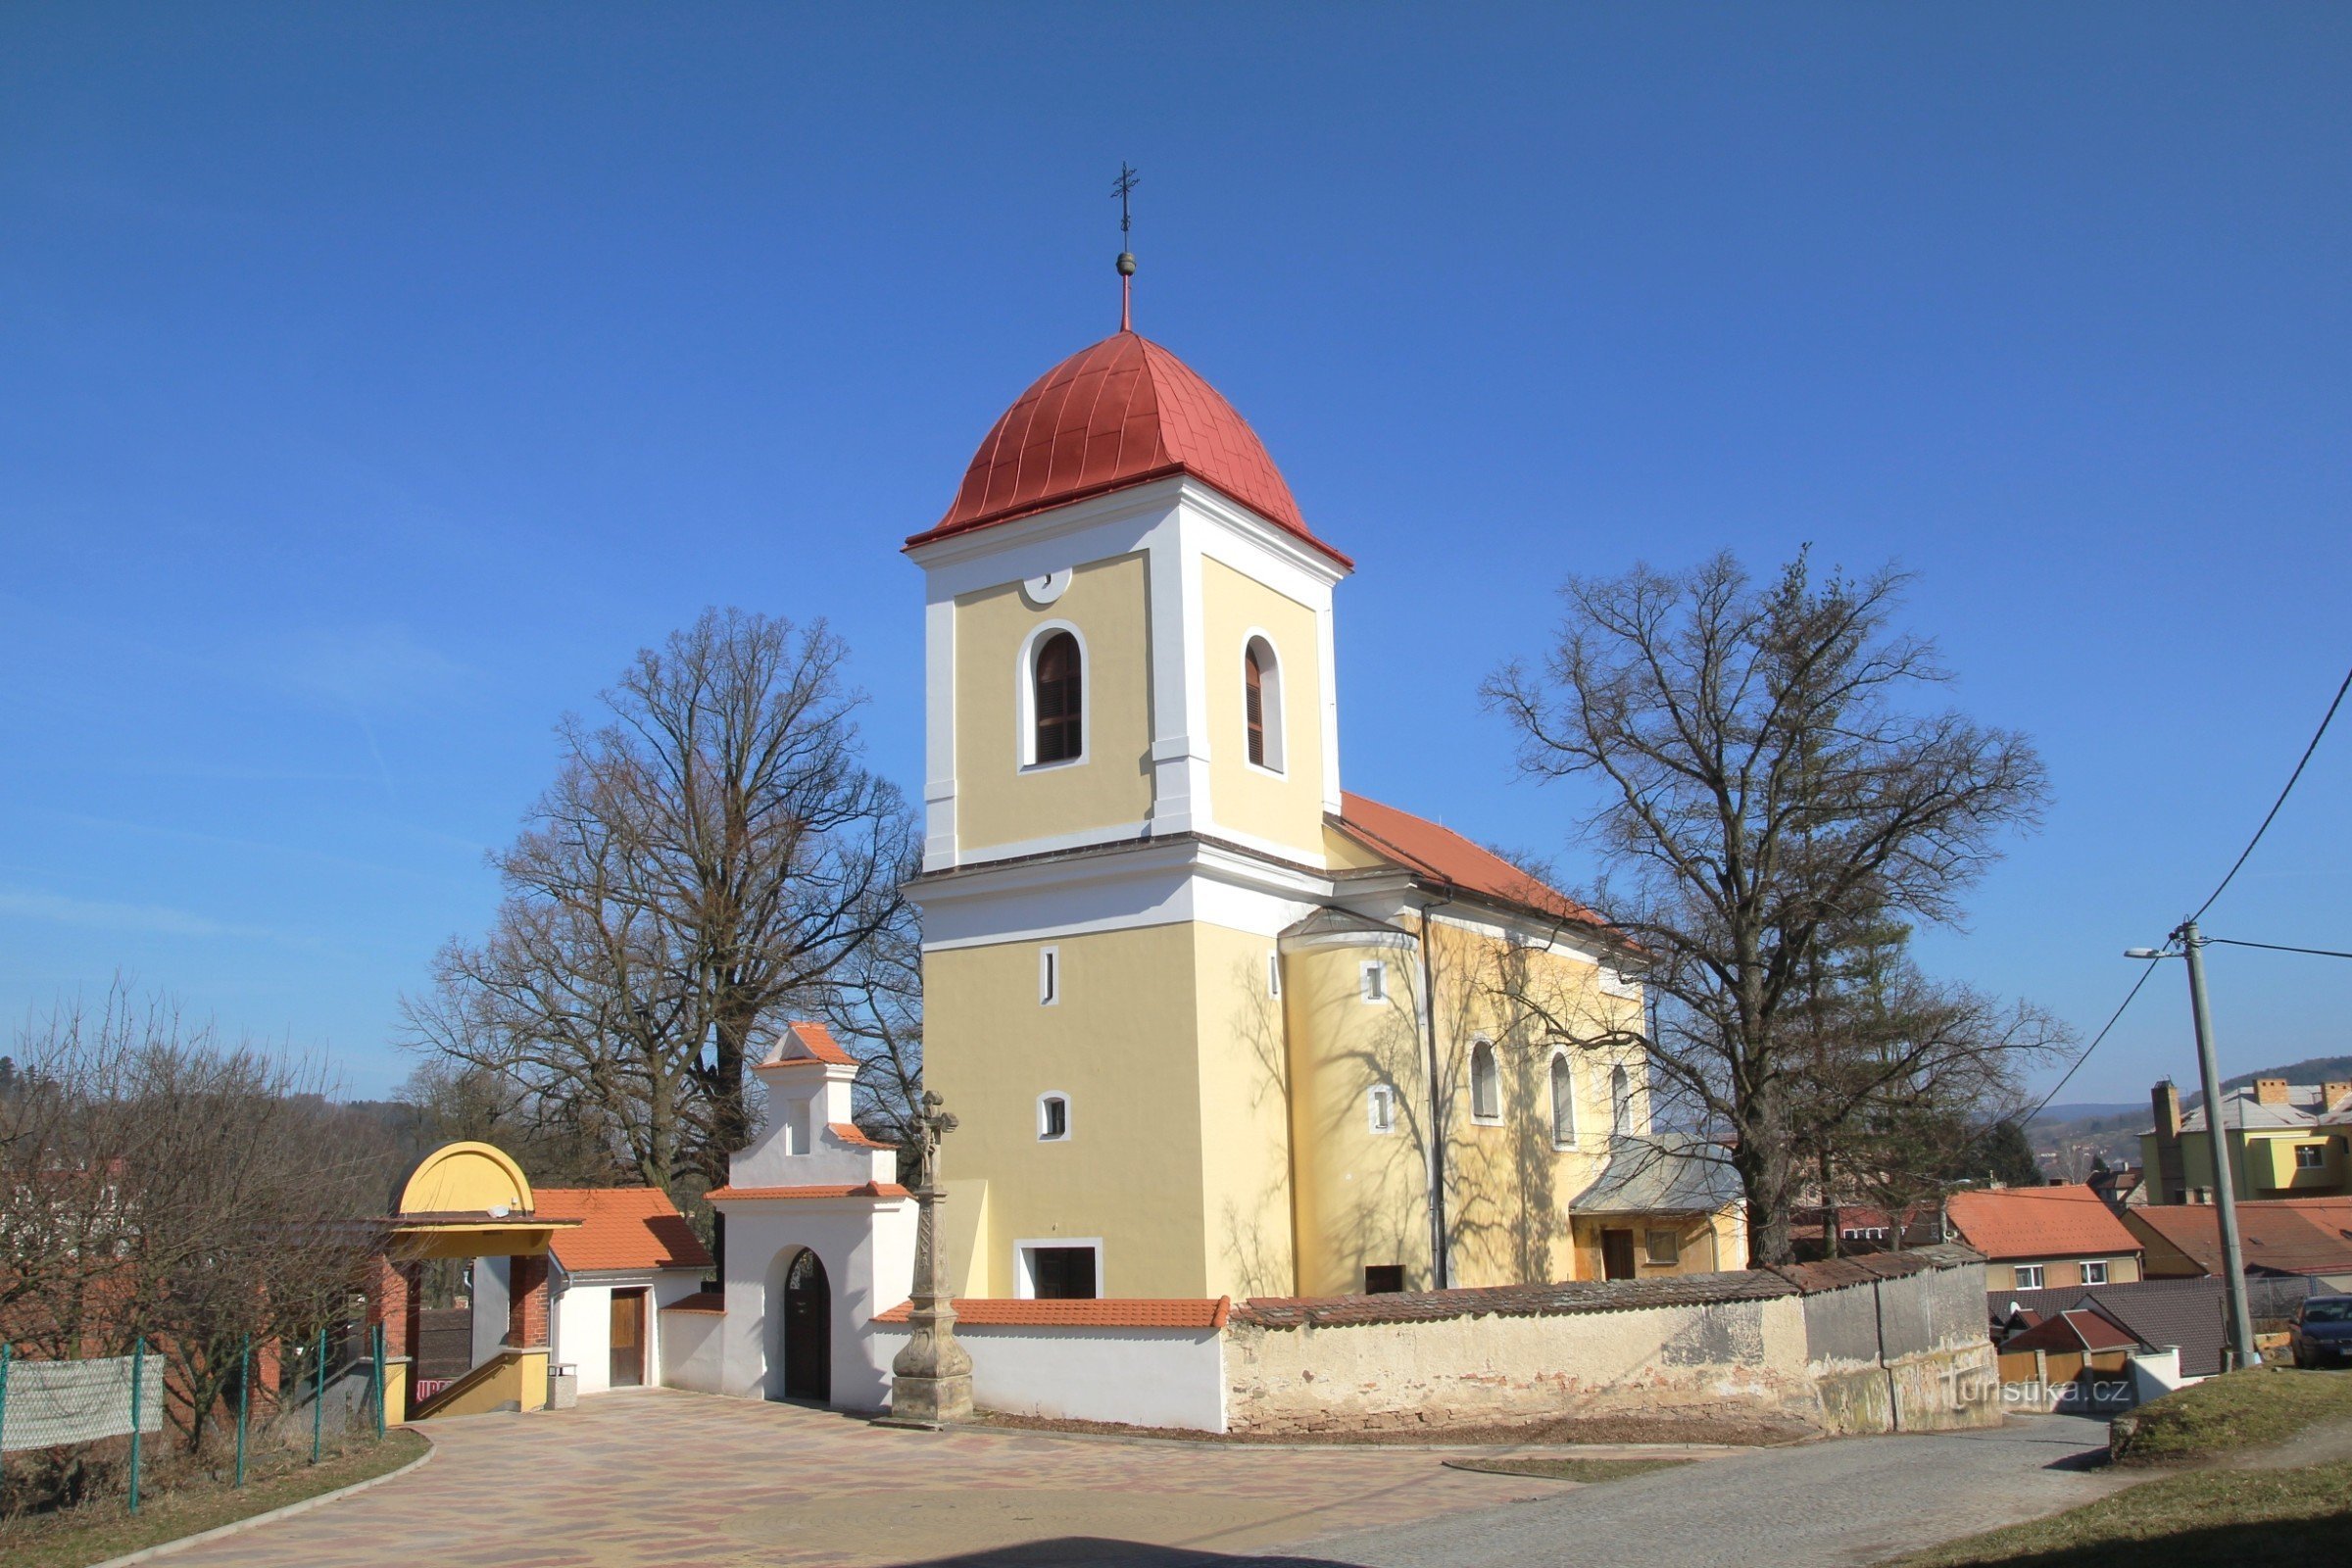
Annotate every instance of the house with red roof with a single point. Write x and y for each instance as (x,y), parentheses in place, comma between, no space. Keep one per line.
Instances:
(616,1277)
(2038,1237)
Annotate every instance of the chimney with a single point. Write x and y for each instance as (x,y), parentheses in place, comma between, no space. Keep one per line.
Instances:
(2332,1095)
(2166,1100)
(2270,1091)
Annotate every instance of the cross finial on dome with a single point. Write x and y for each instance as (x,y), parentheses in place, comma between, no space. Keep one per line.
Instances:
(1120,188)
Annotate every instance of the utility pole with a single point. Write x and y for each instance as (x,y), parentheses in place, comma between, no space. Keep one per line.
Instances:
(2225,1184)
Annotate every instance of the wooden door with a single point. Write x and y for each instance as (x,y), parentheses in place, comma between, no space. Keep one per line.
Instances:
(1616,1254)
(628,1338)
(808,1331)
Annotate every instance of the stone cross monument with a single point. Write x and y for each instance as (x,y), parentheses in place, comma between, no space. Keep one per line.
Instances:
(931,1379)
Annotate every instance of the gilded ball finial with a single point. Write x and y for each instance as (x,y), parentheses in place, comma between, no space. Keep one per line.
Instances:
(1126,263)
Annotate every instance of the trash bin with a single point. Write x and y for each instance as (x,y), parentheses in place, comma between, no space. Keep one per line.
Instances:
(563,1388)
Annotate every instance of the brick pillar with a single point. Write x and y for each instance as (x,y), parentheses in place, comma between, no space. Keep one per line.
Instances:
(526,1302)
(392,1294)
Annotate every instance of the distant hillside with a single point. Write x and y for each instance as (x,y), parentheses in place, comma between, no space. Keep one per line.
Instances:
(2078,1110)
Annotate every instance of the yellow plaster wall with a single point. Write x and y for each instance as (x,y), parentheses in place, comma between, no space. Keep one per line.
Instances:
(1361,1197)
(998,801)
(1287,808)
(1245,1132)
(1121,1045)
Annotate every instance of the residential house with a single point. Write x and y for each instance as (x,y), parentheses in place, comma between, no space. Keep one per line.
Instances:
(2285,1140)
(2035,1237)
(2305,1239)
(2186,1314)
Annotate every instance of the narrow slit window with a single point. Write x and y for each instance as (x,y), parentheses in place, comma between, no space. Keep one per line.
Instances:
(1053,1118)
(1058,700)
(1049,976)
(1375,982)
(1273,974)
(1381,1108)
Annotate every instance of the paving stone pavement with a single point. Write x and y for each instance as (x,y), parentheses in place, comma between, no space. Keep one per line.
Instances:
(666,1480)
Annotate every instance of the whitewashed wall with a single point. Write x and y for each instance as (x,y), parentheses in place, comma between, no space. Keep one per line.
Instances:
(867,1248)
(580,1319)
(1138,1377)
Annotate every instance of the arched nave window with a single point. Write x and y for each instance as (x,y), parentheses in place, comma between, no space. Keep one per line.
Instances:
(1621,1102)
(1563,1100)
(1262,702)
(1485,1083)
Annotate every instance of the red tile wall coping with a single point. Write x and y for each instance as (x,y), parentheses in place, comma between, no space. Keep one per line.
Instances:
(1101,1313)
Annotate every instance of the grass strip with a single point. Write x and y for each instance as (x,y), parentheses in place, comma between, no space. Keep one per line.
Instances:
(104,1528)
(2200,1519)
(1586,1471)
(2221,1417)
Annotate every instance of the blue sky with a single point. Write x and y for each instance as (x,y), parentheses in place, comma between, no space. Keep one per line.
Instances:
(375,379)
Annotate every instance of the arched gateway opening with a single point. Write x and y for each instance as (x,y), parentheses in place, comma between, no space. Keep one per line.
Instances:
(806,1325)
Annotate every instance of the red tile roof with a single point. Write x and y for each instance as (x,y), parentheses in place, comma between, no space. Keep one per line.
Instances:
(853,1134)
(1181,1313)
(2285,1236)
(1441,854)
(816,1044)
(2078,1330)
(718,1194)
(1121,413)
(620,1228)
(2040,1222)
(700,1302)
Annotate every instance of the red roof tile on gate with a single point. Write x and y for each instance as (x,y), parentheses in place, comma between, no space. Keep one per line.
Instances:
(2040,1222)
(620,1228)
(1123,412)
(1181,1313)
(1441,854)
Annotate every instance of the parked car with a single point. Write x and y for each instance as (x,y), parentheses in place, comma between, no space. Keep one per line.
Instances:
(2322,1331)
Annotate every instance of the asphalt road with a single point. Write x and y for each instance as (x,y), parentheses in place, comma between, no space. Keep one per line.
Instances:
(1853,1501)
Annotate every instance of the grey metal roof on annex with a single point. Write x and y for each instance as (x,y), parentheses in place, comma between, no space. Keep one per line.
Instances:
(1666,1174)
(2187,1313)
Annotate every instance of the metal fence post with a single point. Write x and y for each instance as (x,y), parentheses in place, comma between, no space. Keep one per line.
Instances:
(318,1398)
(7,1353)
(377,1350)
(138,1387)
(244,1400)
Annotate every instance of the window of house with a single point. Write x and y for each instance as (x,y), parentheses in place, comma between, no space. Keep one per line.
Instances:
(1057,701)
(1384,1279)
(1049,976)
(2029,1277)
(2094,1272)
(1486,1083)
(1381,1107)
(1621,1102)
(1057,1273)
(1564,1100)
(1374,981)
(2311,1156)
(1273,974)
(1261,704)
(1664,1247)
(1053,1118)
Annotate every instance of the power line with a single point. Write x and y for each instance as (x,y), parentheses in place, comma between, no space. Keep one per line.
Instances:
(2282,795)
(2112,1020)
(2276,947)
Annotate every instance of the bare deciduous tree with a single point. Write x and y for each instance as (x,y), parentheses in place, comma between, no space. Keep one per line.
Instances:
(710,857)
(1763,784)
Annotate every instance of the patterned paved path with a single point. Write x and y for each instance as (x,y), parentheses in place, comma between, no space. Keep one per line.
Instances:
(664,1480)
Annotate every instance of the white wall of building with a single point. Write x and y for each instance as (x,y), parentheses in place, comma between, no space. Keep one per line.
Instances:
(866,1245)
(692,1348)
(580,1321)
(1139,1377)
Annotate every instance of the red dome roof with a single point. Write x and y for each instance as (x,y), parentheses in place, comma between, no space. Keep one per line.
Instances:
(1122,412)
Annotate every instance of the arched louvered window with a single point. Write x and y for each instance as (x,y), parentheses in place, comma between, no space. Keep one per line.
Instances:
(1261,704)
(1058,700)
(1486,1083)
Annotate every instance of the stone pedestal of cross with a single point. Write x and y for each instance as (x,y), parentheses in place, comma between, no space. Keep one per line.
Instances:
(931,1379)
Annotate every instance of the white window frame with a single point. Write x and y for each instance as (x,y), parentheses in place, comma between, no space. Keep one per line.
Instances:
(1024,1277)
(1049,976)
(1563,1071)
(2019,1271)
(1492,1118)
(1024,676)
(1070,1126)
(1379,1110)
(1372,982)
(1274,973)
(2089,1263)
(1270,709)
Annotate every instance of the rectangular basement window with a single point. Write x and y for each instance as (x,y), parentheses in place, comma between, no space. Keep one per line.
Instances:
(1384,1279)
